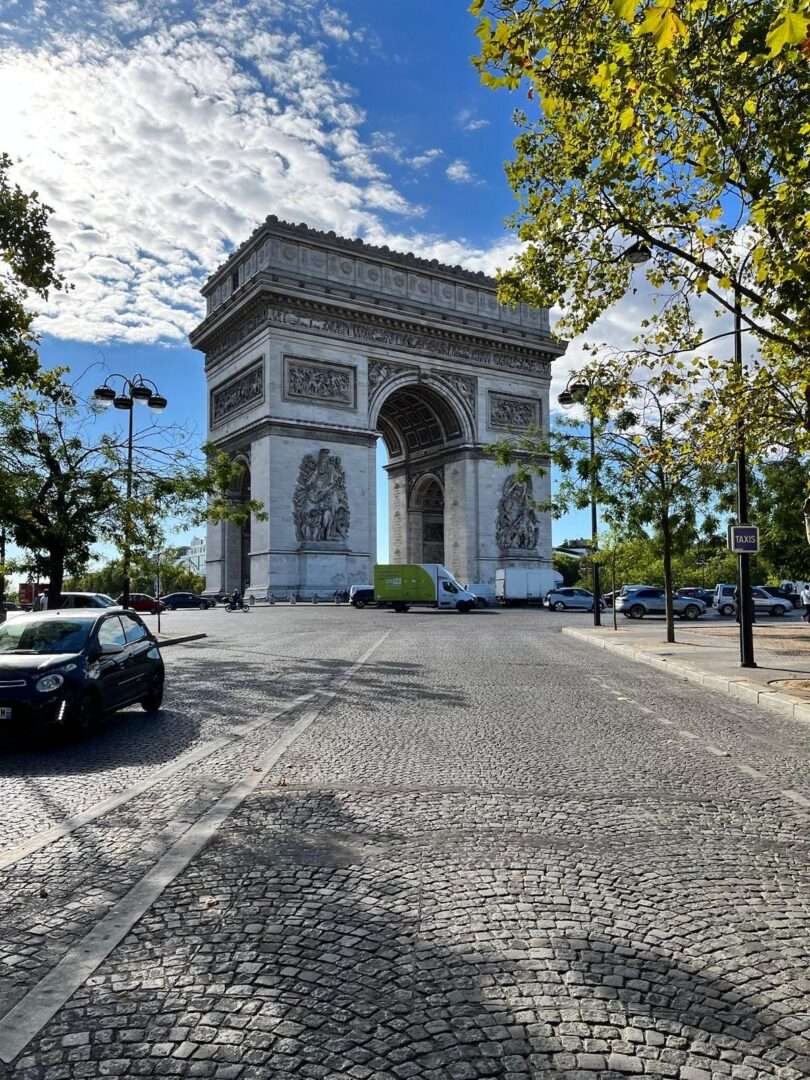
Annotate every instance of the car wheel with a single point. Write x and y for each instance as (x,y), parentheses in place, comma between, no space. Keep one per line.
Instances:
(558,605)
(153,700)
(400,608)
(691,611)
(359,603)
(727,609)
(85,717)
(636,612)
(463,607)
(777,609)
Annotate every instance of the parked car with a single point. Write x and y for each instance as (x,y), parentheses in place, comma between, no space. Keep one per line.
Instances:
(792,599)
(652,601)
(139,601)
(697,593)
(571,598)
(723,600)
(764,602)
(71,600)
(64,671)
(175,600)
(360,595)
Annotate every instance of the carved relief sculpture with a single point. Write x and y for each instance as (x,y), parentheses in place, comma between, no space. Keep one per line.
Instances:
(236,393)
(464,386)
(320,382)
(320,502)
(380,371)
(516,527)
(513,413)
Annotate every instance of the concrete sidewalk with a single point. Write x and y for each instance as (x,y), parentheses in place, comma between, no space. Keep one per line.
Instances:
(709,654)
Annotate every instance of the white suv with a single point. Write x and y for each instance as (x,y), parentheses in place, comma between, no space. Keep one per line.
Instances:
(76,600)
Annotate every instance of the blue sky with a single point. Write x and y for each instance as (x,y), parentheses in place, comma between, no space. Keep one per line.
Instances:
(162,132)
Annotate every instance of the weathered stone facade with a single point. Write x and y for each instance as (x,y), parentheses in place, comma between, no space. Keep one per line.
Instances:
(315,345)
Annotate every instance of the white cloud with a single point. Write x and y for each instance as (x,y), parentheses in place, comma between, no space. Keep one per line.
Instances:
(468,121)
(421,161)
(459,172)
(162,141)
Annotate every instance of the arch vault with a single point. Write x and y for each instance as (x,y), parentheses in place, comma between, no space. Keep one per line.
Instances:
(315,346)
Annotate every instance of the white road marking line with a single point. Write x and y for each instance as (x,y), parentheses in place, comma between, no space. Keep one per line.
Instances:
(27,1018)
(65,828)
(749,770)
(795,797)
(687,734)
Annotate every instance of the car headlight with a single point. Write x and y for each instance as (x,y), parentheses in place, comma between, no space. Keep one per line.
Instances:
(49,682)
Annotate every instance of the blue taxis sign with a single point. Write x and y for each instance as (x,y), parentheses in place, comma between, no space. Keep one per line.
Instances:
(743,539)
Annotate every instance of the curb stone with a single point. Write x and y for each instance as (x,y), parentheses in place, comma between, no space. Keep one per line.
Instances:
(740,689)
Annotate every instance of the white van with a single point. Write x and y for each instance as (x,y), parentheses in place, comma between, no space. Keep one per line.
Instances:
(723,600)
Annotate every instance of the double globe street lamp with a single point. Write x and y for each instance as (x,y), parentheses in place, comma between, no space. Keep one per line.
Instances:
(577,391)
(136,389)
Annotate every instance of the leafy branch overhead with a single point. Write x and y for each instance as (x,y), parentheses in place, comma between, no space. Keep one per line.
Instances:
(685,125)
(29,255)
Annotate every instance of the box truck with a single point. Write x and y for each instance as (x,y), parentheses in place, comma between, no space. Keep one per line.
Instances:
(514,585)
(424,584)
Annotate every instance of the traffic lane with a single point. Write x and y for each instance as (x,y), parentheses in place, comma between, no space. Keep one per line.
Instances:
(212,686)
(421,889)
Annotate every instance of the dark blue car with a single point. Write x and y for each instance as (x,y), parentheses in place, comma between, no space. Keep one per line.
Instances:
(63,670)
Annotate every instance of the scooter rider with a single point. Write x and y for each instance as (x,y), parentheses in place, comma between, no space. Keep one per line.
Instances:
(236,600)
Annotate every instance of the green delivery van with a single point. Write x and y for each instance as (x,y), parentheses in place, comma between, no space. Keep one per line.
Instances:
(426,584)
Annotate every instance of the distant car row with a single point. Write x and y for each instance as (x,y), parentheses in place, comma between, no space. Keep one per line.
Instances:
(137,601)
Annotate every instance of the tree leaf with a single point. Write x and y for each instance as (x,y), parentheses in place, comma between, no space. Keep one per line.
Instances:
(789,29)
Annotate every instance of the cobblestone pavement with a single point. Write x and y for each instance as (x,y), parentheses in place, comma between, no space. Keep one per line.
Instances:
(496,852)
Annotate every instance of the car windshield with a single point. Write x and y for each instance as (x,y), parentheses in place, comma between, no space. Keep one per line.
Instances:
(104,600)
(48,636)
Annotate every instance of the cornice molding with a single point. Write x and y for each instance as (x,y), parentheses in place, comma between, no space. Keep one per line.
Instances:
(372,331)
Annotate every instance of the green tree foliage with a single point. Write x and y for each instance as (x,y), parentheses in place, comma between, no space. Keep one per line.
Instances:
(28,254)
(644,474)
(109,578)
(777,491)
(685,126)
(568,566)
(63,487)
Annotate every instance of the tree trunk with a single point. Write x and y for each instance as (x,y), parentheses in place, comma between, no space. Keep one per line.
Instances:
(666,537)
(55,563)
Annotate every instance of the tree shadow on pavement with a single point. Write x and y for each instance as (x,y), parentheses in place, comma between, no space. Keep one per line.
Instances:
(306,941)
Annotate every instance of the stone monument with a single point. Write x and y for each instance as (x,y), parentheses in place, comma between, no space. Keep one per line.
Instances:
(316,346)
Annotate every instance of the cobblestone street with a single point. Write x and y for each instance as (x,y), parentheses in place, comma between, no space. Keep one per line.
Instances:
(364,845)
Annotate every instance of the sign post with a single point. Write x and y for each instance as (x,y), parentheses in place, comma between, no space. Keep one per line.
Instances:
(743,541)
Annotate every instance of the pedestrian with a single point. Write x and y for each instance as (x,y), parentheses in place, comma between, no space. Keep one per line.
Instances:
(805,599)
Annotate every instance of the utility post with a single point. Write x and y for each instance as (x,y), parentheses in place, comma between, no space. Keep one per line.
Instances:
(745,600)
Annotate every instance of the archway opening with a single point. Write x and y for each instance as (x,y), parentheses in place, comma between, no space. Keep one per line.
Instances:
(421,430)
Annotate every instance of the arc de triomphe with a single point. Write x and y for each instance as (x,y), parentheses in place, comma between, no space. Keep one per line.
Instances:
(315,346)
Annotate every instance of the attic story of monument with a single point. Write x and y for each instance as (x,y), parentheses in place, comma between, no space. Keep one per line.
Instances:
(316,346)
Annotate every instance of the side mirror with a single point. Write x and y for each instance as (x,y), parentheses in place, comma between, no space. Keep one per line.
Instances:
(110,649)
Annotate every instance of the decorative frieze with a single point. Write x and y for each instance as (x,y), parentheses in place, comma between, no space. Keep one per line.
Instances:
(513,413)
(237,394)
(516,528)
(310,380)
(463,385)
(383,334)
(320,502)
(380,371)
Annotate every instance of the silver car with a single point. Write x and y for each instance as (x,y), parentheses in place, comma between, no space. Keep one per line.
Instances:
(570,598)
(636,603)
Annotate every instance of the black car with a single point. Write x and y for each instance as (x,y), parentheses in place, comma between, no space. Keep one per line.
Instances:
(360,595)
(176,600)
(62,671)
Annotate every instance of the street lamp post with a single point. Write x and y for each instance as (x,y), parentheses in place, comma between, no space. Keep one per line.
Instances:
(133,390)
(745,600)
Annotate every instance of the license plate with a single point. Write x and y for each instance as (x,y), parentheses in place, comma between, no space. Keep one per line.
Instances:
(5,712)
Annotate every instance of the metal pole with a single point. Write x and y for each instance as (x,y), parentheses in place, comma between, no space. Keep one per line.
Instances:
(127,521)
(2,563)
(597,592)
(745,600)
